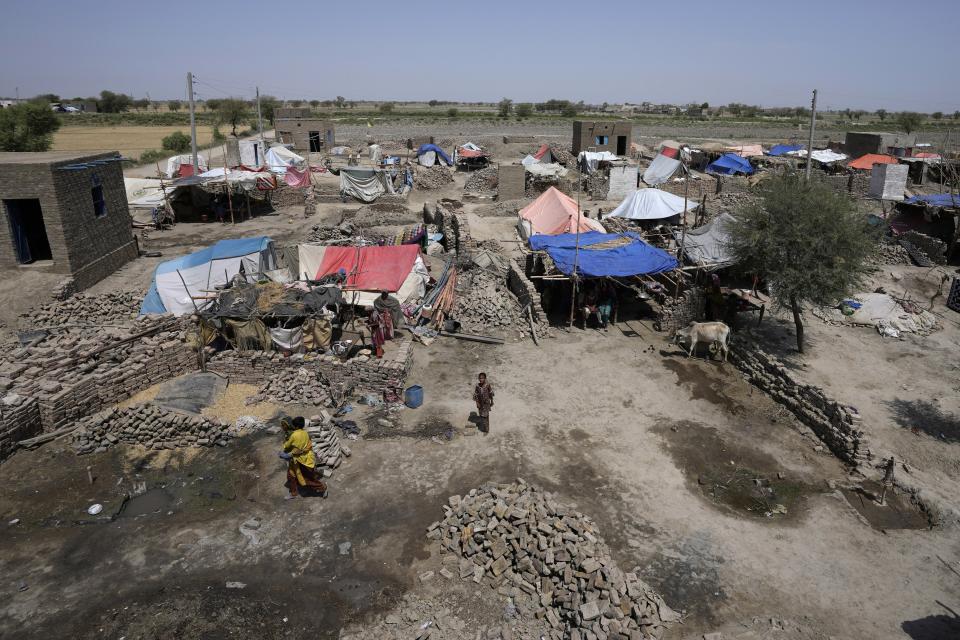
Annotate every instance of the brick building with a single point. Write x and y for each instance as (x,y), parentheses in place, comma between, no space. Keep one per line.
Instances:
(602,136)
(858,143)
(66,213)
(297,126)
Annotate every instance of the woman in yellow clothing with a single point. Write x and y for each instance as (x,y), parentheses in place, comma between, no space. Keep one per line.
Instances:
(301,463)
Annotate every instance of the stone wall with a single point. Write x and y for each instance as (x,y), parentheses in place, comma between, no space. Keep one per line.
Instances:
(465,244)
(368,376)
(835,424)
(935,248)
(19,420)
(676,314)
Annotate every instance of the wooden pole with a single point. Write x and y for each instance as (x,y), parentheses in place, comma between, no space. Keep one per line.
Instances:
(226,184)
(576,254)
(189,295)
(683,232)
(166,203)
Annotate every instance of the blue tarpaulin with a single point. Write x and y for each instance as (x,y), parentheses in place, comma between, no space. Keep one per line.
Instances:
(424,148)
(729,164)
(604,254)
(935,200)
(783,149)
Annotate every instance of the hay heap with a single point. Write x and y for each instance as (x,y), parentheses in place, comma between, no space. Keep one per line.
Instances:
(515,535)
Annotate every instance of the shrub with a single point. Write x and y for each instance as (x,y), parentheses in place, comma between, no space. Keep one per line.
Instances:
(177,141)
(151,155)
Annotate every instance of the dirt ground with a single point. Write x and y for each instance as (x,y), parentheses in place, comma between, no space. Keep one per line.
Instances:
(682,464)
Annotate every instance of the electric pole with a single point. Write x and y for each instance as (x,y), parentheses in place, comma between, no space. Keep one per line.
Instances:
(813,126)
(193,124)
(259,118)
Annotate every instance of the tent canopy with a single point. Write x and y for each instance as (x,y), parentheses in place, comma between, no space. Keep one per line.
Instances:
(730,164)
(588,161)
(604,254)
(823,156)
(708,246)
(651,204)
(867,161)
(661,169)
(427,148)
(746,150)
(554,212)
(370,268)
(543,154)
(203,271)
(783,149)
(935,200)
(278,158)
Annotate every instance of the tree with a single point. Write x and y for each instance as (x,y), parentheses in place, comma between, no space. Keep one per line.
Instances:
(386,107)
(233,111)
(141,105)
(111,102)
(314,103)
(909,121)
(433,103)
(352,104)
(27,127)
(46,98)
(175,105)
(705,105)
(882,114)
(524,110)
(505,107)
(956,115)
(937,115)
(569,110)
(340,101)
(268,105)
(177,141)
(806,240)
(296,103)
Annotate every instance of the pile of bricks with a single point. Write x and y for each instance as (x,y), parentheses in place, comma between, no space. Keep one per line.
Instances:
(149,425)
(484,180)
(484,302)
(327,447)
(84,308)
(529,546)
(434,177)
(676,314)
(301,386)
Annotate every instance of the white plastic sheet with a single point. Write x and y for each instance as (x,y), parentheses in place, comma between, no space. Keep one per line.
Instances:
(650,204)
(660,170)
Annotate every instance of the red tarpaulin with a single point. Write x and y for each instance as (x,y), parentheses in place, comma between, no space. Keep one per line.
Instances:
(470,153)
(670,152)
(371,268)
(542,151)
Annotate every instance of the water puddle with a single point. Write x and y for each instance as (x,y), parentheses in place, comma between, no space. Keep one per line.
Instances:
(895,513)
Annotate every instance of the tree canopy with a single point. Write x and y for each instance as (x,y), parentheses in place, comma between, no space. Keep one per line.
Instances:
(233,111)
(505,107)
(909,121)
(111,102)
(177,141)
(807,241)
(27,127)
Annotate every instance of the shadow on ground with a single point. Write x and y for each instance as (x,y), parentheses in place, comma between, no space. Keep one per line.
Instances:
(921,415)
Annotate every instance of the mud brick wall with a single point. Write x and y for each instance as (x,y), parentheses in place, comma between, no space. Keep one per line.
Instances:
(935,248)
(17,422)
(511,181)
(370,376)
(623,181)
(444,220)
(686,309)
(836,425)
(465,244)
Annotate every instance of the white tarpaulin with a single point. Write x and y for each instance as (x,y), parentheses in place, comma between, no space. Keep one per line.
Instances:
(887,315)
(823,156)
(309,259)
(549,170)
(246,179)
(588,160)
(660,170)
(365,184)
(288,339)
(529,160)
(708,246)
(470,146)
(650,204)
(427,158)
(143,193)
(174,163)
(279,158)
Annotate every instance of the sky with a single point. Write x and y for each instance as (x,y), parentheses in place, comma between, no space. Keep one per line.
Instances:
(859,54)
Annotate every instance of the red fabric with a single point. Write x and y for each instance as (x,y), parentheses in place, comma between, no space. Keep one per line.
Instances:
(927,155)
(185,170)
(867,161)
(470,153)
(371,268)
(244,167)
(297,179)
(541,151)
(266,182)
(670,152)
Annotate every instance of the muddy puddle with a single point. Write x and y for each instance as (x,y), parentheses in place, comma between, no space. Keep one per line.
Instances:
(431,428)
(734,478)
(896,512)
(703,384)
(153,502)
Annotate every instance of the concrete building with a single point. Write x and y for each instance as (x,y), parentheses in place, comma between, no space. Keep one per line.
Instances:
(857,143)
(65,213)
(602,136)
(297,126)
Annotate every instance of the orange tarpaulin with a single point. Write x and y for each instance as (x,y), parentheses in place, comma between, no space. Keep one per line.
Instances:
(867,161)
(554,212)
(370,268)
(747,150)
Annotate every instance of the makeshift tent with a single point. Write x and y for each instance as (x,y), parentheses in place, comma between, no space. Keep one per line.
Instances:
(203,271)
(746,150)
(935,200)
(143,193)
(278,158)
(398,269)
(783,149)
(543,154)
(730,164)
(182,166)
(604,254)
(708,246)
(427,155)
(661,169)
(364,183)
(823,156)
(546,170)
(528,160)
(925,155)
(650,204)
(555,212)
(588,161)
(867,161)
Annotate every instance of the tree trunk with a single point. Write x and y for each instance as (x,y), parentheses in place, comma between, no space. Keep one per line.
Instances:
(795,306)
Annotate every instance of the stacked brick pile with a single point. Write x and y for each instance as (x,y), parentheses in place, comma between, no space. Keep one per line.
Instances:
(676,314)
(301,386)
(147,425)
(484,302)
(521,540)
(484,180)
(435,177)
(327,447)
(85,308)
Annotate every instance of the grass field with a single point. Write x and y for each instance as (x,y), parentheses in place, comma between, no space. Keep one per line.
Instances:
(129,140)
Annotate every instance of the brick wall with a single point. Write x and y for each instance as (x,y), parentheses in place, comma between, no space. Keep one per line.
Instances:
(526,292)
(585,132)
(688,307)
(623,181)
(296,131)
(17,422)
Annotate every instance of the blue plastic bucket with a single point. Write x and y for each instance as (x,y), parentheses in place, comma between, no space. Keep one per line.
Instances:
(413,396)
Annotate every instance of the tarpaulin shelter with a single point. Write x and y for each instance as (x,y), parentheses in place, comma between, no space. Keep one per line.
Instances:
(783,149)
(364,183)
(867,161)
(730,164)
(709,246)
(190,280)
(746,150)
(398,269)
(651,204)
(935,200)
(427,155)
(554,212)
(278,158)
(661,169)
(543,154)
(546,170)
(604,254)
(182,166)
(823,156)
(588,161)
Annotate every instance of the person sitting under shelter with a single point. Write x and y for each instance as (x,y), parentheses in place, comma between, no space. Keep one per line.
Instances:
(301,463)
(390,306)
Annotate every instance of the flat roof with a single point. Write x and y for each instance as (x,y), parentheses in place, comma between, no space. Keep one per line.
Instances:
(49,157)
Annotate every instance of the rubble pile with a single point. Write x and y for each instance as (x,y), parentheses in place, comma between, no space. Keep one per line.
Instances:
(563,155)
(149,425)
(485,179)
(344,233)
(526,544)
(597,185)
(484,301)
(434,177)
(733,202)
(287,196)
(300,386)
(379,215)
(890,253)
(327,448)
(85,308)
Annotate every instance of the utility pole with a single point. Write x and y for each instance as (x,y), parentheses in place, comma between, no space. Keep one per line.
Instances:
(813,126)
(193,125)
(259,119)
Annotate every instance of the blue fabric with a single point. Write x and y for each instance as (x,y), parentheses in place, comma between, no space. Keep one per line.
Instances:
(635,258)
(432,147)
(936,200)
(729,164)
(783,149)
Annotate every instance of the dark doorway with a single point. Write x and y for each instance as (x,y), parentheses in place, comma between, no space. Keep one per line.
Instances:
(28,231)
(621,145)
(329,137)
(316,144)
